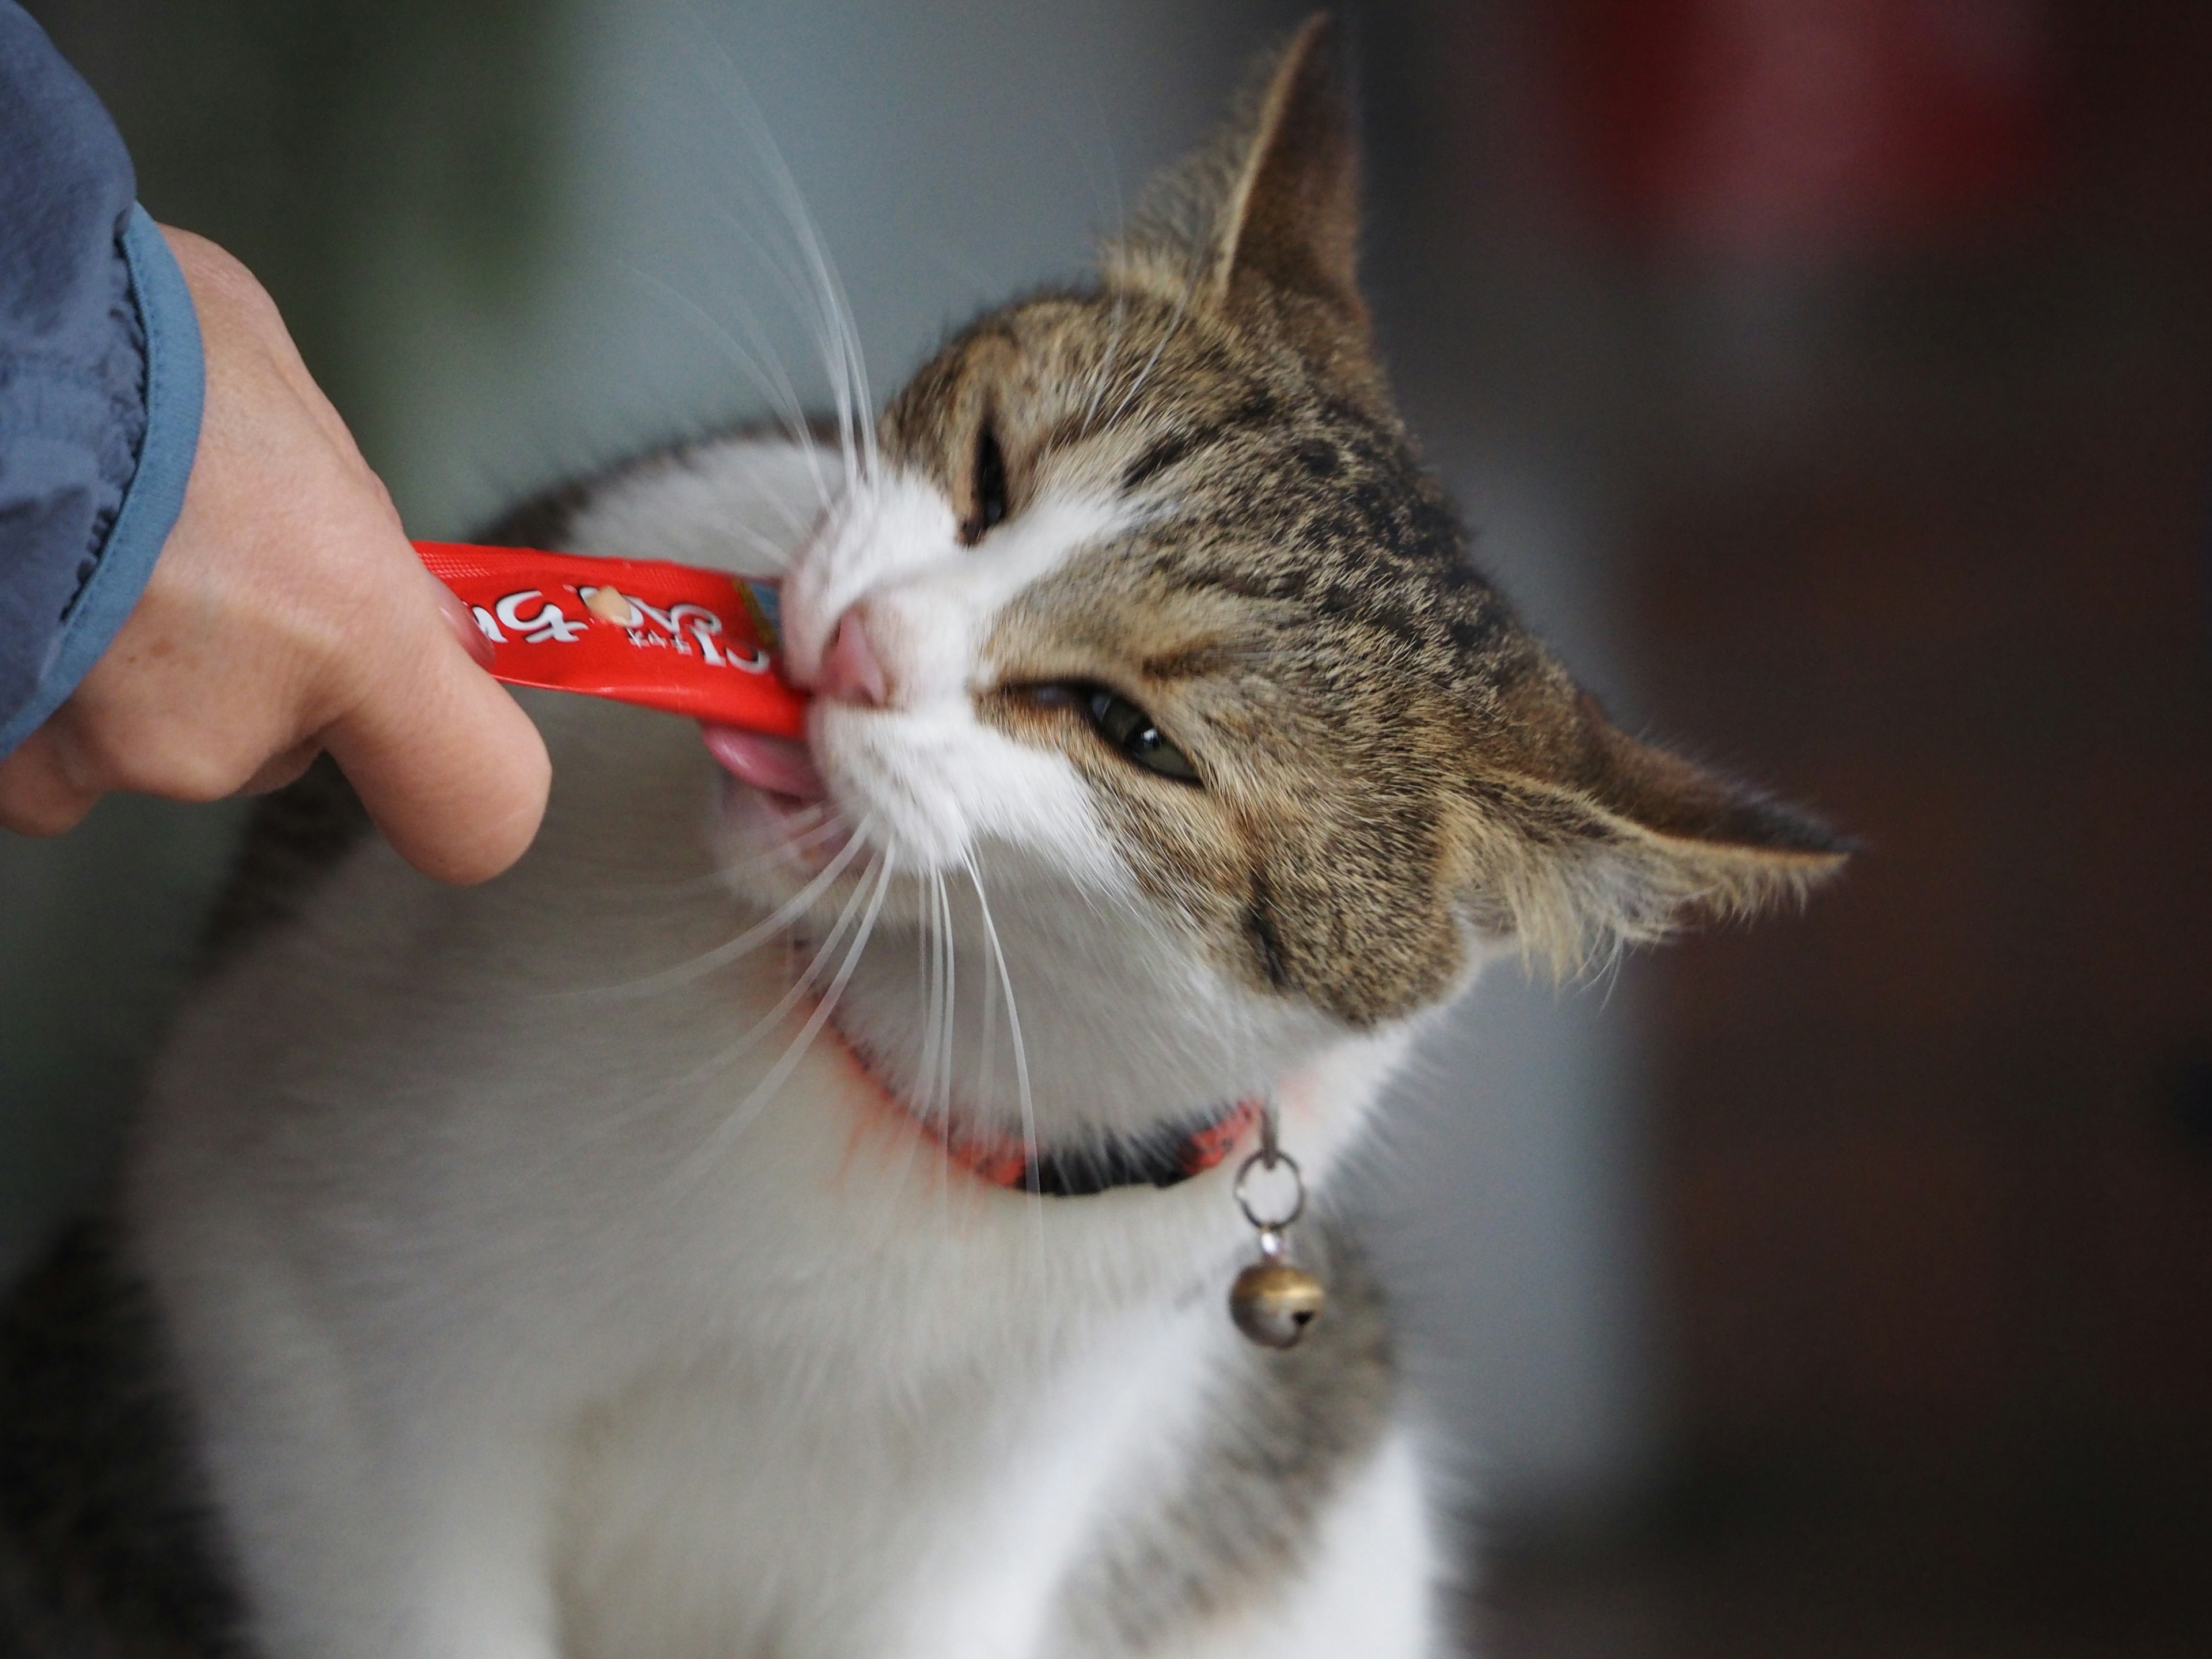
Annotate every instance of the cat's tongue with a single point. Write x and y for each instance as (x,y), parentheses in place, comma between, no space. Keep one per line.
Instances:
(779,764)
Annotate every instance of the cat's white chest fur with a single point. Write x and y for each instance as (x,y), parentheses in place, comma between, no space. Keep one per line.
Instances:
(937,1523)
(514,1331)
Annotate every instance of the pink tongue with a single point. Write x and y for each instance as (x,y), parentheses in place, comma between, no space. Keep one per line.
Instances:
(777,763)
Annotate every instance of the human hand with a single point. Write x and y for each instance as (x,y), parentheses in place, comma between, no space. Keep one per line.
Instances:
(287,614)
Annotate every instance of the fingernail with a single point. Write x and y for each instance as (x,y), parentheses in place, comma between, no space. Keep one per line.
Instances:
(463,622)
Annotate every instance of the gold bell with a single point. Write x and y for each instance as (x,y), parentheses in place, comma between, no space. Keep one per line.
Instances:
(1272,1303)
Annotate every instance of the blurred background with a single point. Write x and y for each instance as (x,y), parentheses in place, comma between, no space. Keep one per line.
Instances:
(1830,380)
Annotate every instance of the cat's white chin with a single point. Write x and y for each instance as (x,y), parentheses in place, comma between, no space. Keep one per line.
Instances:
(775,827)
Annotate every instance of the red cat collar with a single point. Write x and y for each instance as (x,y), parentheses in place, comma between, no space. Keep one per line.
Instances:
(1157,1157)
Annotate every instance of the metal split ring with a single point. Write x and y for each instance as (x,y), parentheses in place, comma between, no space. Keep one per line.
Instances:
(1270,1157)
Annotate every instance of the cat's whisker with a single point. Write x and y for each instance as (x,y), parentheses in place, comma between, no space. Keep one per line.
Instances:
(941,929)
(1014,1032)
(790,405)
(687,1082)
(988,1047)
(836,337)
(925,945)
(765,372)
(932,991)
(933,1023)
(932,1088)
(719,878)
(768,370)
(768,548)
(915,1140)
(805,305)
(832,823)
(793,995)
(790,279)
(952,988)
(986,1055)
(788,912)
(750,1107)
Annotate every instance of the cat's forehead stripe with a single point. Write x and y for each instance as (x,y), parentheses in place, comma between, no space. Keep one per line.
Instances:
(1195,661)
(1163,454)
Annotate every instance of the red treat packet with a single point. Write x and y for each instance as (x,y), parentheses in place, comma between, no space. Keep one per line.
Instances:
(697,642)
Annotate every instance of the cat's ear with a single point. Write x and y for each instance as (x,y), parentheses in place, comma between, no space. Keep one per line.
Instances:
(1617,843)
(1286,240)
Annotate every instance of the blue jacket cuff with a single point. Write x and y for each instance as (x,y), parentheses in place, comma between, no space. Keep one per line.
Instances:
(175,384)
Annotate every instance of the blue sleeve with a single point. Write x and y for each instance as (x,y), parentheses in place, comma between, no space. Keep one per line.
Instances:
(100,381)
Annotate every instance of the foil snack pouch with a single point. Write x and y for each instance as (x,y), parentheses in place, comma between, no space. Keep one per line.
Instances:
(698,642)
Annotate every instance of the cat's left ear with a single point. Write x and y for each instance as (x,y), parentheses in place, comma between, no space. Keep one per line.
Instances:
(1612,841)
(1286,245)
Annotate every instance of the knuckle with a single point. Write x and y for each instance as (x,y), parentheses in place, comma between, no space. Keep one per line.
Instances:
(99,753)
(279,770)
(205,777)
(199,753)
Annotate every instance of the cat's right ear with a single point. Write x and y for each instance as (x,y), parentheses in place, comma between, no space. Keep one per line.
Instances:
(1286,243)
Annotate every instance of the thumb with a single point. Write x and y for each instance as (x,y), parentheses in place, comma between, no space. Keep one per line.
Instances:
(449,767)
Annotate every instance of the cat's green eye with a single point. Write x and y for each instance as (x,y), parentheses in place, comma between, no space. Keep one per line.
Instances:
(1131,731)
(987,490)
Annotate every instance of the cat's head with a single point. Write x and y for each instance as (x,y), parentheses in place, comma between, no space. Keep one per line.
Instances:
(1149,621)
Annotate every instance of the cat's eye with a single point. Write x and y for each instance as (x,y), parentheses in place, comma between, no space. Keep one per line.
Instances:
(1133,733)
(987,490)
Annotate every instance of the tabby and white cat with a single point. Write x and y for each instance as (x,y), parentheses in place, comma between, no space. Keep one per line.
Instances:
(579,1265)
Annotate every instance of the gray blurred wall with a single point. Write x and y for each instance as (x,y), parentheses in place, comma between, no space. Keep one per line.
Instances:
(949,155)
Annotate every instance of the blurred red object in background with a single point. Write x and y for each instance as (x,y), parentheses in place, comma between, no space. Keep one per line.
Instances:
(1803,128)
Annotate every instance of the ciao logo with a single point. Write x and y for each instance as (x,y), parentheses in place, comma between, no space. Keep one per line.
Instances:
(536,617)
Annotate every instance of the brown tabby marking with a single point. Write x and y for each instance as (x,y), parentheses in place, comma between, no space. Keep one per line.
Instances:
(1389,759)
(108,1549)
(1284,1433)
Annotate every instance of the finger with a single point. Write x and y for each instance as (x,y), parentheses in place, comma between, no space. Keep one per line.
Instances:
(280,770)
(38,796)
(463,622)
(450,768)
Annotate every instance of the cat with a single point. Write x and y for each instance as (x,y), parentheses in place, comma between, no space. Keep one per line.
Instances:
(766,1222)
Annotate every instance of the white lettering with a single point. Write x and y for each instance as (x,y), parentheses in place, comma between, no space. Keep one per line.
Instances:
(704,625)
(549,624)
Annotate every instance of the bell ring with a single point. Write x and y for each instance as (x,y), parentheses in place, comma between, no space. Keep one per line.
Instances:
(1272,1303)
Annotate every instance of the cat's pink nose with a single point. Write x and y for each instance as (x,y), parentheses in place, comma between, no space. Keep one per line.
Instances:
(851,672)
